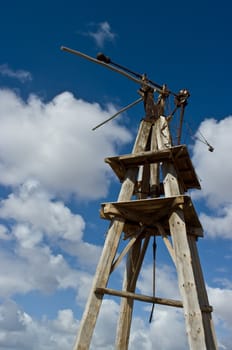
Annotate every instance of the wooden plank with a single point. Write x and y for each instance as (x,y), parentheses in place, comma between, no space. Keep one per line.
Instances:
(126,305)
(178,155)
(186,279)
(133,266)
(140,297)
(186,282)
(147,299)
(153,210)
(93,304)
(210,336)
(123,253)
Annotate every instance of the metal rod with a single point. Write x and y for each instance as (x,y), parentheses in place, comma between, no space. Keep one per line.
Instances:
(138,75)
(181,124)
(106,59)
(119,112)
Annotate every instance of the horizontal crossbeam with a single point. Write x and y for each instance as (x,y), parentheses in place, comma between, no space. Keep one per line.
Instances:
(140,297)
(146,298)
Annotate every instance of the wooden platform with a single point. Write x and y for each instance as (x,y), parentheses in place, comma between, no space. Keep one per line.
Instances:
(149,212)
(177,155)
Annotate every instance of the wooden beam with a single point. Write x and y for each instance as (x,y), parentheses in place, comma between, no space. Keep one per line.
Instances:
(125,251)
(102,274)
(140,297)
(184,263)
(148,299)
(126,306)
(167,242)
(210,336)
(134,262)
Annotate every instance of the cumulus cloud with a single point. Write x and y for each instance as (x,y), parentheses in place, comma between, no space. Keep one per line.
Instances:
(49,149)
(32,209)
(53,144)
(220,298)
(104,334)
(20,331)
(37,226)
(30,269)
(166,332)
(166,281)
(215,171)
(19,74)
(220,224)
(102,33)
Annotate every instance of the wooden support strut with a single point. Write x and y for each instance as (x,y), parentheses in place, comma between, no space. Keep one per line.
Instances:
(197,325)
(147,299)
(93,304)
(133,266)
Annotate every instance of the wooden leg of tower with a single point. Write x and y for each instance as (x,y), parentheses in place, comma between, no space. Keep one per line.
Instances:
(150,179)
(126,307)
(100,280)
(210,337)
(183,254)
(134,258)
(186,281)
(134,262)
(93,304)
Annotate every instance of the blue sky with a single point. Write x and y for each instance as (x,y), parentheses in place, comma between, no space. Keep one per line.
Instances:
(52,171)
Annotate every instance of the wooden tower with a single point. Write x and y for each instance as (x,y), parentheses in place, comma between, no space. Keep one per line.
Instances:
(152,202)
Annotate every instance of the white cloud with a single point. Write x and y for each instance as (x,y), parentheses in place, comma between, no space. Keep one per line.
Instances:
(48,152)
(215,171)
(53,144)
(35,212)
(221,300)
(218,225)
(166,332)
(36,268)
(4,233)
(20,331)
(37,226)
(19,74)
(102,34)
(104,334)
(166,281)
